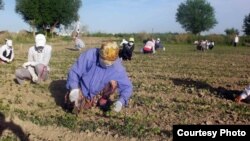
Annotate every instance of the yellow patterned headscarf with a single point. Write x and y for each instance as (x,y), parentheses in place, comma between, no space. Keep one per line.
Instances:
(109,51)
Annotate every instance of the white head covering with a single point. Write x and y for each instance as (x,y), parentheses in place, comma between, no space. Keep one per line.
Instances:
(40,40)
(9,42)
(124,41)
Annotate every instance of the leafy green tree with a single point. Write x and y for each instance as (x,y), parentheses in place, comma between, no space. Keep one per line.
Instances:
(246,25)
(48,14)
(1,5)
(231,31)
(196,16)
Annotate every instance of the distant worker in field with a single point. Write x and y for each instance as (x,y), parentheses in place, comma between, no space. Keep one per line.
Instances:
(123,43)
(245,95)
(126,51)
(76,31)
(149,47)
(36,69)
(7,52)
(210,45)
(94,77)
(79,44)
(204,45)
(236,40)
(158,45)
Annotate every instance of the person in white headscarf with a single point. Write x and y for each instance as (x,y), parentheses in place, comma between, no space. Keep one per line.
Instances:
(7,52)
(236,40)
(37,67)
(127,48)
(158,45)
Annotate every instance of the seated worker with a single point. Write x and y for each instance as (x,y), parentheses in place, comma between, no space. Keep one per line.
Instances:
(210,45)
(7,52)
(36,69)
(123,43)
(79,44)
(126,52)
(158,44)
(202,45)
(96,75)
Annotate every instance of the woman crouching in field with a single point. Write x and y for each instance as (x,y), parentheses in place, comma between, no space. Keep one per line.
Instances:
(36,69)
(94,77)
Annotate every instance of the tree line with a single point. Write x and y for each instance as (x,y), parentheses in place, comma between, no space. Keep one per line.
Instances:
(195,16)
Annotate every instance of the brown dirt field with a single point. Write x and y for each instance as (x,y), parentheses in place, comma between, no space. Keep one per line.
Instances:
(178,86)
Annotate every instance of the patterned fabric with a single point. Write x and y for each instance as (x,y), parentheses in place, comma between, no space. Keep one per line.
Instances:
(101,100)
(109,51)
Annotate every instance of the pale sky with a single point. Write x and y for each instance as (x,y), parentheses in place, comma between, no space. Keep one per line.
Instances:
(126,16)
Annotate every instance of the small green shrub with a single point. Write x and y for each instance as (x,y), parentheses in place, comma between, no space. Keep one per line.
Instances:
(67,120)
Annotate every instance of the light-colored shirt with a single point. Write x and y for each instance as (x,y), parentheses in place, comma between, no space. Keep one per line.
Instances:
(150,45)
(42,57)
(6,53)
(236,39)
(79,43)
(88,75)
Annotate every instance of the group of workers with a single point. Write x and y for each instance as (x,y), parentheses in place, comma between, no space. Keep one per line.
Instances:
(94,76)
